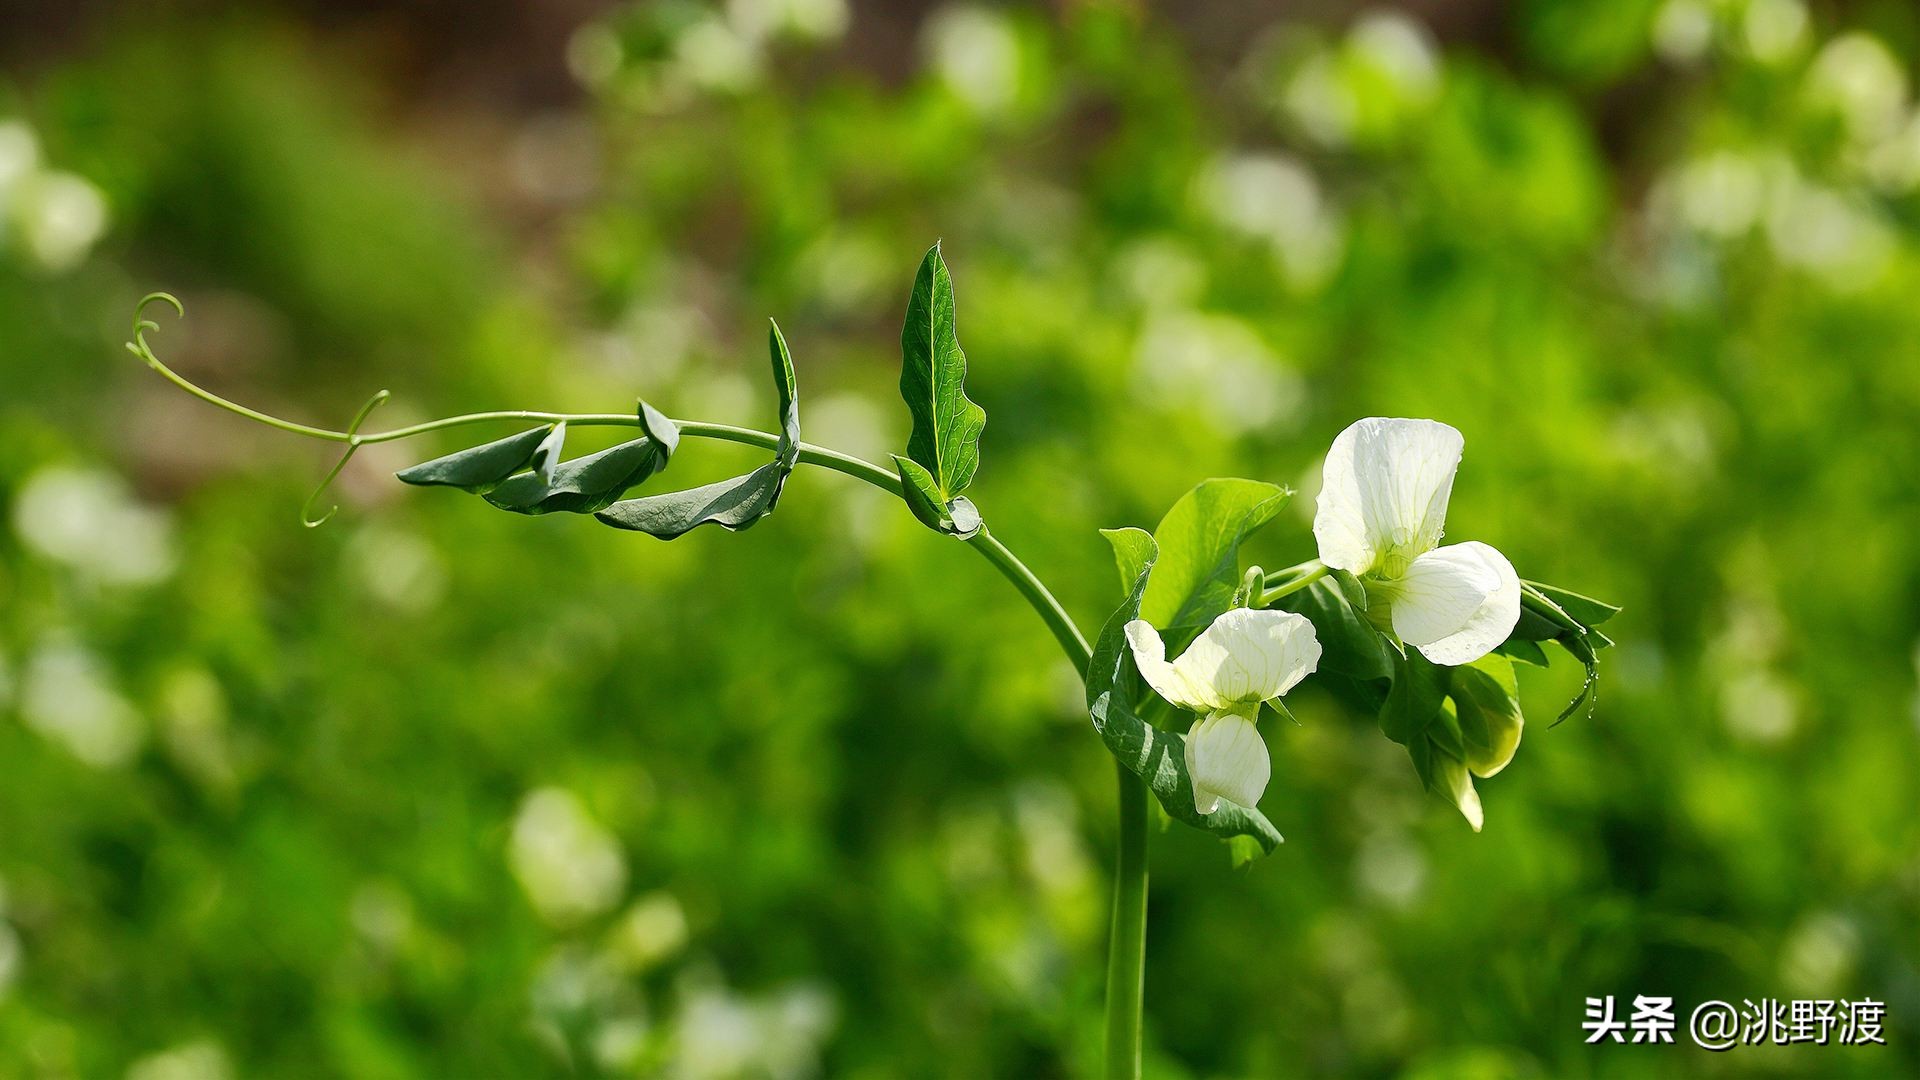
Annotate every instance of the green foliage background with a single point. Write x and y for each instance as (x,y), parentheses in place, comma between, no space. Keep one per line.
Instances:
(440,791)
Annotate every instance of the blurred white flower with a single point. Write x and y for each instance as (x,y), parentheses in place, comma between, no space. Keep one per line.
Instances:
(85,518)
(1275,198)
(651,931)
(1399,50)
(1161,272)
(815,19)
(976,52)
(201,1059)
(1390,868)
(60,217)
(1860,80)
(712,55)
(1775,30)
(1720,194)
(68,697)
(1217,365)
(1380,516)
(569,864)
(398,568)
(1834,235)
(723,1034)
(1893,163)
(1819,954)
(1245,658)
(1683,31)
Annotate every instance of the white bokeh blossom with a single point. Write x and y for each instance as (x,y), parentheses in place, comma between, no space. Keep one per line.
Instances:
(1246,657)
(1382,512)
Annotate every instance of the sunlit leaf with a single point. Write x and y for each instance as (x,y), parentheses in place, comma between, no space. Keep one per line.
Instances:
(1486,702)
(943,449)
(1199,544)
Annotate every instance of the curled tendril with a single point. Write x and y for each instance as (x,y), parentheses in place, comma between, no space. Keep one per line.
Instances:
(141,324)
(354,442)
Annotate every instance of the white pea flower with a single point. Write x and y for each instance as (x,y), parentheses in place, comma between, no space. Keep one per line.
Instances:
(1382,511)
(1245,658)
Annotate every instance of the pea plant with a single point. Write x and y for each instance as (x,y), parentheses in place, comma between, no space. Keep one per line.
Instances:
(1424,636)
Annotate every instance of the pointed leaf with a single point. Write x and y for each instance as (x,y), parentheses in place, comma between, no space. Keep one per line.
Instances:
(733,505)
(1585,609)
(1133,554)
(585,484)
(946,425)
(1158,757)
(785,384)
(478,468)
(1199,543)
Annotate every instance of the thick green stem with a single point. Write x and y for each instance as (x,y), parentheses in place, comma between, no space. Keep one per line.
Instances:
(1127,951)
(1127,945)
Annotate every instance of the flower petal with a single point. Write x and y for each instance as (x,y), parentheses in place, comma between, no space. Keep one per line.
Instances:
(1384,490)
(1248,656)
(1167,680)
(1457,603)
(1226,759)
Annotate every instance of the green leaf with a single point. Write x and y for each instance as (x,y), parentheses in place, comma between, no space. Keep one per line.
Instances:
(1158,757)
(585,484)
(479,468)
(1349,644)
(593,482)
(1419,686)
(1199,542)
(788,388)
(957,517)
(933,372)
(1524,651)
(1544,618)
(1486,702)
(1133,554)
(733,504)
(1584,609)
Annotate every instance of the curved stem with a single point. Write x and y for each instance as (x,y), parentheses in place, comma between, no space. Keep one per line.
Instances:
(1303,575)
(1030,586)
(1127,948)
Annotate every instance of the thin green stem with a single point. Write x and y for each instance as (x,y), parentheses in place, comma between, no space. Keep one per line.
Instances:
(1127,949)
(1293,579)
(1042,601)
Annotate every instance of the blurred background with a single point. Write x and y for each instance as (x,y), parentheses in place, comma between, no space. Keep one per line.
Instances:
(439,791)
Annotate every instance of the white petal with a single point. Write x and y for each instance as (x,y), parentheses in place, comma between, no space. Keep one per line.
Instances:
(1458,603)
(1249,656)
(1458,786)
(1384,490)
(1226,759)
(1169,681)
